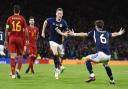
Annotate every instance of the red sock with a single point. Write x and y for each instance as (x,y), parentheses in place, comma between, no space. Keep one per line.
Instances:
(12,63)
(34,58)
(31,63)
(19,63)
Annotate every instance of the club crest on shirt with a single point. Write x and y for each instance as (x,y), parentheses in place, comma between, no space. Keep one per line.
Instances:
(57,25)
(60,25)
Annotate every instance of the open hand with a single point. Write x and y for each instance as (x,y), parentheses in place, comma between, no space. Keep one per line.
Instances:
(121,31)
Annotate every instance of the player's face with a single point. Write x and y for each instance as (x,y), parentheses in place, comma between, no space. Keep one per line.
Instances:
(31,21)
(59,14)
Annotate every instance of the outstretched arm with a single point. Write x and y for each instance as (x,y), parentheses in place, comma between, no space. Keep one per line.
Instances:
(118,33)
(71,33)
(44,27)
(81,34)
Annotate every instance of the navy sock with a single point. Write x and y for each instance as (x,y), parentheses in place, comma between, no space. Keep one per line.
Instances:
(56,61)
(109,71)
(89,66)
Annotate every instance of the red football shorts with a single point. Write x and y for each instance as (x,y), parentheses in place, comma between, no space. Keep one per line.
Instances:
(16,45)
(32,50)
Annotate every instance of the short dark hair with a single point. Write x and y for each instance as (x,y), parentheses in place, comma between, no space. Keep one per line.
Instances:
(16,8)
(59,9)
(99,23)
(31,17)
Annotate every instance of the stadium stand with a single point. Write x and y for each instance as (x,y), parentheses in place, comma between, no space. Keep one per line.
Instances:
(80,17)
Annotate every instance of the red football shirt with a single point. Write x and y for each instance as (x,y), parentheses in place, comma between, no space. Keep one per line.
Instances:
(32,35)
(15,25)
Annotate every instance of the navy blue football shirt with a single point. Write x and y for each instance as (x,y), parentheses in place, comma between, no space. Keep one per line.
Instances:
(101,39)
(62,25)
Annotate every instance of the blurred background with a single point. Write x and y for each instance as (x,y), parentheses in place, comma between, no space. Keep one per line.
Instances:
(80,15)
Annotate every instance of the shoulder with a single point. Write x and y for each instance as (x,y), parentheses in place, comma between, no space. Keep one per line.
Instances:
(109,33)
(36,28)
(10,17)
(50,18)
(105,31)
(92,30)
(64,21)
(22,17)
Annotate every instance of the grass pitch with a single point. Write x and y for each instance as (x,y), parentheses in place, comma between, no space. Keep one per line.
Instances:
(72,78)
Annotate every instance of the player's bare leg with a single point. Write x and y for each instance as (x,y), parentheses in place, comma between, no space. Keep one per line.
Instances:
(31,62)
(56,61)
(12,63)
(61,57)
(10,74)
(109,73)
(28,66)
(19,64)
(89,68)
(61,65)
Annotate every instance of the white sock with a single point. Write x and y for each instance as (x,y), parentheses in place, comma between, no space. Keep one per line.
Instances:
(92,75)
(17,70)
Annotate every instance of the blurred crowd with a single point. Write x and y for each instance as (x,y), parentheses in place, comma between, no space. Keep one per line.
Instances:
(78,47)
(80,16)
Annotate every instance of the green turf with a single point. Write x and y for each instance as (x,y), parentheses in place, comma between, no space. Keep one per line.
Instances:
(72,78)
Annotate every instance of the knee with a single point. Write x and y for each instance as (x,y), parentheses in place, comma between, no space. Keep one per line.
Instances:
(105,65)
(86,58)
(55,53)
(87,61)
(13,55)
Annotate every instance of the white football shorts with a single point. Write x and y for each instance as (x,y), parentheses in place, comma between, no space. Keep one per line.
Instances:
(100,57)
(59,47)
